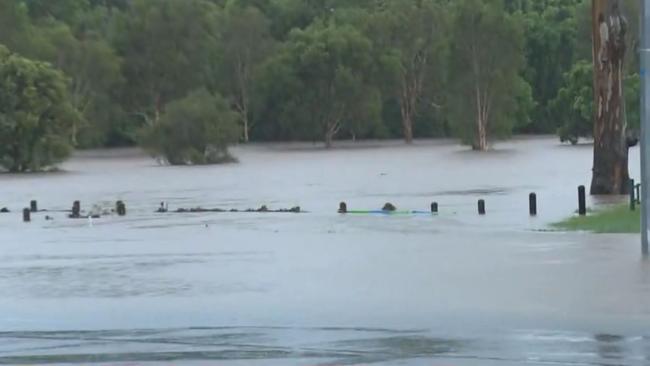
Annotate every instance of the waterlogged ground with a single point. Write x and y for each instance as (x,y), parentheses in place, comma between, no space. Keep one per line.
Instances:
(319,288)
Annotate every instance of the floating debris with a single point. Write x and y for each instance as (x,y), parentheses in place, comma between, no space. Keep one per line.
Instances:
(262,209)
(389,207)
(163,207)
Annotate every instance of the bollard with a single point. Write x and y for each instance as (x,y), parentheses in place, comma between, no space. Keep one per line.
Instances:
(33,206)
(343,207)
(632,195)
(120,208)
(481,207)
(532,204)
(434,207)
(582,201)
(27,215)
(76,209)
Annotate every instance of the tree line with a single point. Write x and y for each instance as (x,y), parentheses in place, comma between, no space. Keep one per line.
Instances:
(186,78)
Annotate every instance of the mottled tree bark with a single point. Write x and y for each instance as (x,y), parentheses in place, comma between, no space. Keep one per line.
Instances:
(610,171)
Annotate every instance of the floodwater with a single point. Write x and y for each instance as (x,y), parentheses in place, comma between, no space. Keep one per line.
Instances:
(320,288)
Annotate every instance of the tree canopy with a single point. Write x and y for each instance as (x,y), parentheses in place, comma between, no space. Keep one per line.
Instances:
(319,69)
(35,114)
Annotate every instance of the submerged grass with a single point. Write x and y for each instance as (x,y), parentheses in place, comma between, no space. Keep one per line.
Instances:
(617,219)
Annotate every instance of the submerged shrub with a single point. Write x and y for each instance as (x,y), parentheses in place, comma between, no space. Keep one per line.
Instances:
(35,114)
(194,130)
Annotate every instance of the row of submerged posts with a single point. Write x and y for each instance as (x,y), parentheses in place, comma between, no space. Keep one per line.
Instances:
(481,207)
(75,212)
(120,207)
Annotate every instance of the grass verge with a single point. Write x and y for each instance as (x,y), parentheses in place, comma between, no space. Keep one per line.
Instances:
(611,220)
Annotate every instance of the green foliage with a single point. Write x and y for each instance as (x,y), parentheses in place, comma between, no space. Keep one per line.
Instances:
(485,58)
(194,130)
(245,43)
(550,43)
(572,108)
(410,39)
(35,114)
(163,44)
(322,74)
(574,104)
(322,69)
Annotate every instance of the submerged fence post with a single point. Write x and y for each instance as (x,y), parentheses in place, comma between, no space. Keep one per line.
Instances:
(532,204)
(582,201)
(27,215)
(76,209)
(481,207)
(120,208)
(434,207)
(632,195)
(33,206)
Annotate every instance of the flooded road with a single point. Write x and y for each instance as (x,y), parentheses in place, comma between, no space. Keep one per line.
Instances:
(320,288)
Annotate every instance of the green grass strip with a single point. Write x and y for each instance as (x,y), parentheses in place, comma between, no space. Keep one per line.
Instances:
(610,220)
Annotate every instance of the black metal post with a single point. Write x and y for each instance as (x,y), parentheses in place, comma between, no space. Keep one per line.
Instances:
(582,201)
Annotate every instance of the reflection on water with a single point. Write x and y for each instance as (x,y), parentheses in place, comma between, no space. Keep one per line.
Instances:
(325,346)
(114,276)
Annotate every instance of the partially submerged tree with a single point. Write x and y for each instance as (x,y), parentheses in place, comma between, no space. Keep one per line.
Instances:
(322,76)
(573,106)
(194,130)
(164,45)
(486,56)
(35,114)
(93,69)
(245,42)
(412,36)
(609,30)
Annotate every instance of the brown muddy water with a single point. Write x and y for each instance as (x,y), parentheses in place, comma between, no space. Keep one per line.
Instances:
(320,288)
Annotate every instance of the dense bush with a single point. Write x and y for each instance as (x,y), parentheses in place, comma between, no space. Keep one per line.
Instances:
(35,114)
(194,130)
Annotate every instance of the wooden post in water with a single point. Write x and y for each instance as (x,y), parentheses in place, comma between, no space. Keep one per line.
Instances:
(120,208)
(27,215)
(532,204)
(76,209)
(481,207)
(434,207)
(582,201)
(632,195)
(33,206)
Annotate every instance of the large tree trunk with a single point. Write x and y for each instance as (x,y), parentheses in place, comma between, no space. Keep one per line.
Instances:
(610,172)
